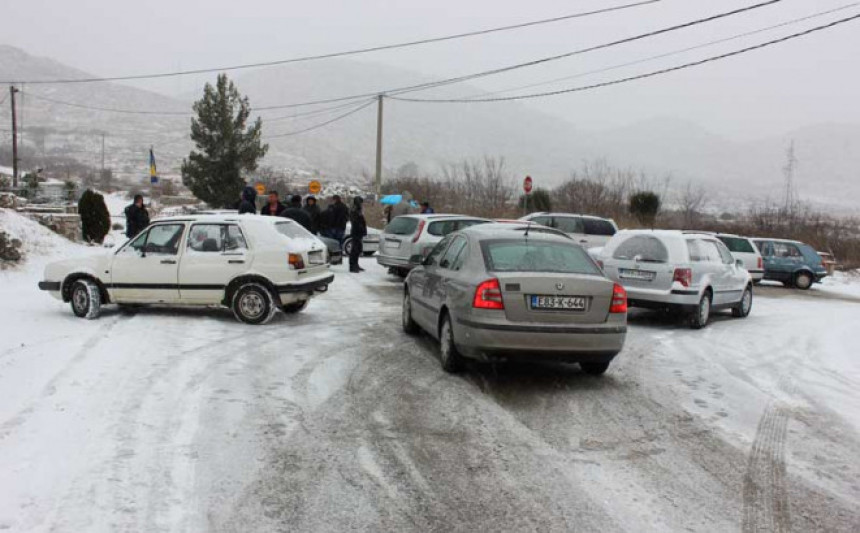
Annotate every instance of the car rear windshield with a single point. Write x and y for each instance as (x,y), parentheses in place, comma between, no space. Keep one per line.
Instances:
(644,247)
(598,226)
(402,226)
(738,245)
(523,255)
(293,230)
(444,227)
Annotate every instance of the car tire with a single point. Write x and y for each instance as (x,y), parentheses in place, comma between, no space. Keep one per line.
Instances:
(295,307)
(347,246)
(253,304)
(594,369)
(742,310)
(368,254)
(803,280)
(700,317)
(86,300)
(452,361)
(410,327)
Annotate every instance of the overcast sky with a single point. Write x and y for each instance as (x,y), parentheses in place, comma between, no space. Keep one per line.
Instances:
(807,81)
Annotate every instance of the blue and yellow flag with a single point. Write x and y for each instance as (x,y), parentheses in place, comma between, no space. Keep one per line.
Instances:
(153,174)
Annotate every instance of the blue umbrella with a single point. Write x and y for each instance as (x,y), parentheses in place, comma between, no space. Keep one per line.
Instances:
(391,199)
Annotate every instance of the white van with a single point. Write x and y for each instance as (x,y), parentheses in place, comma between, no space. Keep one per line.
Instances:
(588,231)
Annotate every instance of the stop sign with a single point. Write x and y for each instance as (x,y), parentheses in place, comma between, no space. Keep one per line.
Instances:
(527,184)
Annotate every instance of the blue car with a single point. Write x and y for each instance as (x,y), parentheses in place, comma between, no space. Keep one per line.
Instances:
(791,262)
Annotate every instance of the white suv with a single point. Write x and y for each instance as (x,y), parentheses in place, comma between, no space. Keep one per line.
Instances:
(589,231)
(410,235)
(693,272)
(252,264)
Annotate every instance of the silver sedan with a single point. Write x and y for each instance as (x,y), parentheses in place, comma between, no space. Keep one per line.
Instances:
(492,294)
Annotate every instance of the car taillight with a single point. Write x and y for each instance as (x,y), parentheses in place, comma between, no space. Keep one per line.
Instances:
(296,261)
(684,276)
(488,295)
(619,300)
(760,263)
(418,233)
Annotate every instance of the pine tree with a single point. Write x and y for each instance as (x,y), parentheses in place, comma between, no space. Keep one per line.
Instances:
(95,218)
(645,206)
(225,147)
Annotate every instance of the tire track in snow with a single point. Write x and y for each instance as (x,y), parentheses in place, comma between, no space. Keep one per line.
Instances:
(765,491)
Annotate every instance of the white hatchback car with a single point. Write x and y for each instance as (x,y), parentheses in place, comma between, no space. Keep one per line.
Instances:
(408,236)
(692,272)
(744,249)
(254,265)
(588,231)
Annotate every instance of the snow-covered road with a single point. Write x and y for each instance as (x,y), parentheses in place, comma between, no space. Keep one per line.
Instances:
(186,420)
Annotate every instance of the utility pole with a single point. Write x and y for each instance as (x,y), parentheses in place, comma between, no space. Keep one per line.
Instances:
(103,157)
(378,179)
(12,91)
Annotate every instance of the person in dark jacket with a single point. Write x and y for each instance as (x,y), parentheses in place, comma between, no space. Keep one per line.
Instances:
(340,216)
(249,201)
(357,232)
(136,217)
(426,209)
(313,211)
(274,207)
(325,222)
(294,211)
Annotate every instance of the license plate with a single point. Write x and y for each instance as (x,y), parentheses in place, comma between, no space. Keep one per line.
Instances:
(561,303)
(392,244)
(315,258)
(640,275)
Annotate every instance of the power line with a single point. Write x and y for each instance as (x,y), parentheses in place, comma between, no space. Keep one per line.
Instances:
(668,54)
(449,81)
(108,109)
(640,76)
(326,123)
(306,114)
(346,52)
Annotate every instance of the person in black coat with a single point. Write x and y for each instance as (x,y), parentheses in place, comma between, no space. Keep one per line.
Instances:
(313,211)
(357,232)
(274,207)
(249,201)
(294,211)
(340,216)
(136,217)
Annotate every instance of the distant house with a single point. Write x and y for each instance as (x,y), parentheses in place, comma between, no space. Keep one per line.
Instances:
(54,191)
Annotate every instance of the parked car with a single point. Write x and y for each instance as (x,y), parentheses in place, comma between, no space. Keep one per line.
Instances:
(335,254)
(743,248)
(587,230)
(369,244)
(691,272)
(791,262)
(254,265)
(410,235)
(829,261)
(490,293)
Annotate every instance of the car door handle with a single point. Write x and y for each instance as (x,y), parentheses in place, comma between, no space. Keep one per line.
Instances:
(236,261)
(168,262)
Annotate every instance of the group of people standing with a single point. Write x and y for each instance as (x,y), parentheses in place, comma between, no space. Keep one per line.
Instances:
(331,222)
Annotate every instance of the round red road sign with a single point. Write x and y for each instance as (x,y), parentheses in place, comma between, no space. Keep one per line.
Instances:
(527,184)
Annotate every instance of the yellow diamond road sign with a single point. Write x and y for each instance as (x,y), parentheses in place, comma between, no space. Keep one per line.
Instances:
(261,188)
(314,187)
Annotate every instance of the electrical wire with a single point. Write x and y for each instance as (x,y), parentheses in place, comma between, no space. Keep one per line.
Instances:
(449,81)
(107,109)
(640,76)
(346,52)
(668,54)
(306,114)
(317,126)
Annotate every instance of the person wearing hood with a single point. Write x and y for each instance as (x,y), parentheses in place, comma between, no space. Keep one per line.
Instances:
(294,211)
(136,217)
(404,207)
(249,201)
(339,218)
(357,232)
(313,211)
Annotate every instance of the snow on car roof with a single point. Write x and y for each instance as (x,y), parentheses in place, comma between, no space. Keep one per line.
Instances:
(558,214)
(215,217)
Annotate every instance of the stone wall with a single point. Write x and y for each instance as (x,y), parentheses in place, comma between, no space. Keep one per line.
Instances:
(66,224)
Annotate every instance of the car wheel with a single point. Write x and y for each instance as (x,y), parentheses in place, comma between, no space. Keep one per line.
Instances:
(702,314)
(347,247)
(452,361)
(594,369)
(742,310)
(86,299)
(803,281)
(368,254)
(253,304)
(409,325)
(295,307)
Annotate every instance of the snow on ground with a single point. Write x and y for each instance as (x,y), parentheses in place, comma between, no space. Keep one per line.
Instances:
(841,283)
(186,420)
